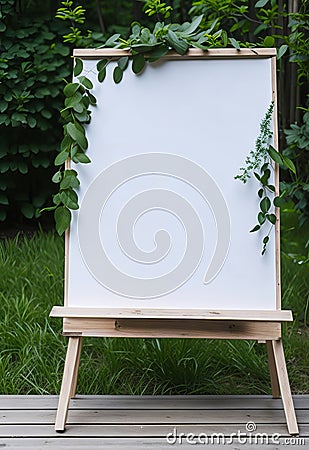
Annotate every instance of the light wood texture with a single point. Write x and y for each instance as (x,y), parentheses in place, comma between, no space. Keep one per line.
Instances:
(192,314)
(284,386)
(121,443)
(275,388)
(152,402)
(75,374)
(116,423)
(138,416)
(172,328)
(70,368)
(191,53)
(277,210)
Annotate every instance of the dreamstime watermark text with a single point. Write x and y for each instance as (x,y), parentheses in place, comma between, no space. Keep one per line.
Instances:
(250,436)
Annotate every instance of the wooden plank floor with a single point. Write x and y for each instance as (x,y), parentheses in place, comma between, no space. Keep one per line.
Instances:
(126,422)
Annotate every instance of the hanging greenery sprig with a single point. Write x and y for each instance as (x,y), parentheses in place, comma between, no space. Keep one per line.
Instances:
(144,46)
(259,162)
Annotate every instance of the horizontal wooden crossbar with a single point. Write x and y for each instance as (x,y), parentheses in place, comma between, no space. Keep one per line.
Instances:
(192,314)
(93,53)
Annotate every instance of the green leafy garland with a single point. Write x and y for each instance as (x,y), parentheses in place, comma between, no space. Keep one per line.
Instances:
(146,46)
(259,162)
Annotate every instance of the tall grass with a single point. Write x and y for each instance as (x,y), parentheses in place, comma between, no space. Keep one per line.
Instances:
(32,350)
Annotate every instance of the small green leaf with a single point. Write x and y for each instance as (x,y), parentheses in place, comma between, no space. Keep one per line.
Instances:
(3,199)
(62,218)
(102,64)
(77,135)
(282,50)
(269,41)
(61,158)
(261,192)
(68,199)
(86,82)
(102,75)
(82,158)
(138,63)
(256,228)
(275,156)
(112,40)
(278,201)
(289,164)
(265,204)
(177,44)
(117,74)
(123,62)
(70,89)
(272,218)
(69,180)
(158,53)
(93,100)
(261,218)
(234,43)
(57,177)
(78,68)
(28,210)
(261,3)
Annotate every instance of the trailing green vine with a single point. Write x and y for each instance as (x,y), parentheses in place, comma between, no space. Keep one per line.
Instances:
(144,46)
(147,46)
(259,162)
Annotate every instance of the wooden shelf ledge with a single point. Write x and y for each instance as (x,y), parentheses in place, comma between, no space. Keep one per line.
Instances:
(93,53)
(198,314)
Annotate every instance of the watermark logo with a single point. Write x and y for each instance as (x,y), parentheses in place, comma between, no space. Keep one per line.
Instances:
(250,436)
(102,189)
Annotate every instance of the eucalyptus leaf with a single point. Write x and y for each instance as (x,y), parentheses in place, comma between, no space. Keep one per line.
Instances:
(61,158)
(123,62)
(177,44)
(256,228)
(102,64)
(261,218)
(117,74)
(272,218)
(138,63)
(86,82)
(102,74)
(265,204)
(77,135)
(62,218)
(78,68)
(70,89)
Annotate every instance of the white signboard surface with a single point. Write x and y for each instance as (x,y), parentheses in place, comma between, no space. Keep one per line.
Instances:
(162,221)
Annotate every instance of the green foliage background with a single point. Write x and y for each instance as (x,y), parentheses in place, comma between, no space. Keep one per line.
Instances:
(35,59)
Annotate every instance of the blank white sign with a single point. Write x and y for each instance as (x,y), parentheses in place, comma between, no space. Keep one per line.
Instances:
(162,221)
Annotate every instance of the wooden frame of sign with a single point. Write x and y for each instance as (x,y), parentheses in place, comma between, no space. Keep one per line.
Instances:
(261,325)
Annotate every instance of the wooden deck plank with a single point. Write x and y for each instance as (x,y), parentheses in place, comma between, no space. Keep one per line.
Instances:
(149,431)
(119,443)
(126,422)
(139,416)
(226,402)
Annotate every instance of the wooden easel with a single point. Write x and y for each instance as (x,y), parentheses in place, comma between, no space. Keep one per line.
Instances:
(257,325)
(261,325)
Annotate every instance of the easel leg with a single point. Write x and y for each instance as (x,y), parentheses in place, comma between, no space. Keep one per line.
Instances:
(275,388)
(284,384)
(75,375)
(67,382)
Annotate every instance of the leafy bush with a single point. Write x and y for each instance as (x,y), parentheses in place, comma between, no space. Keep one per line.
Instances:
(33,64)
